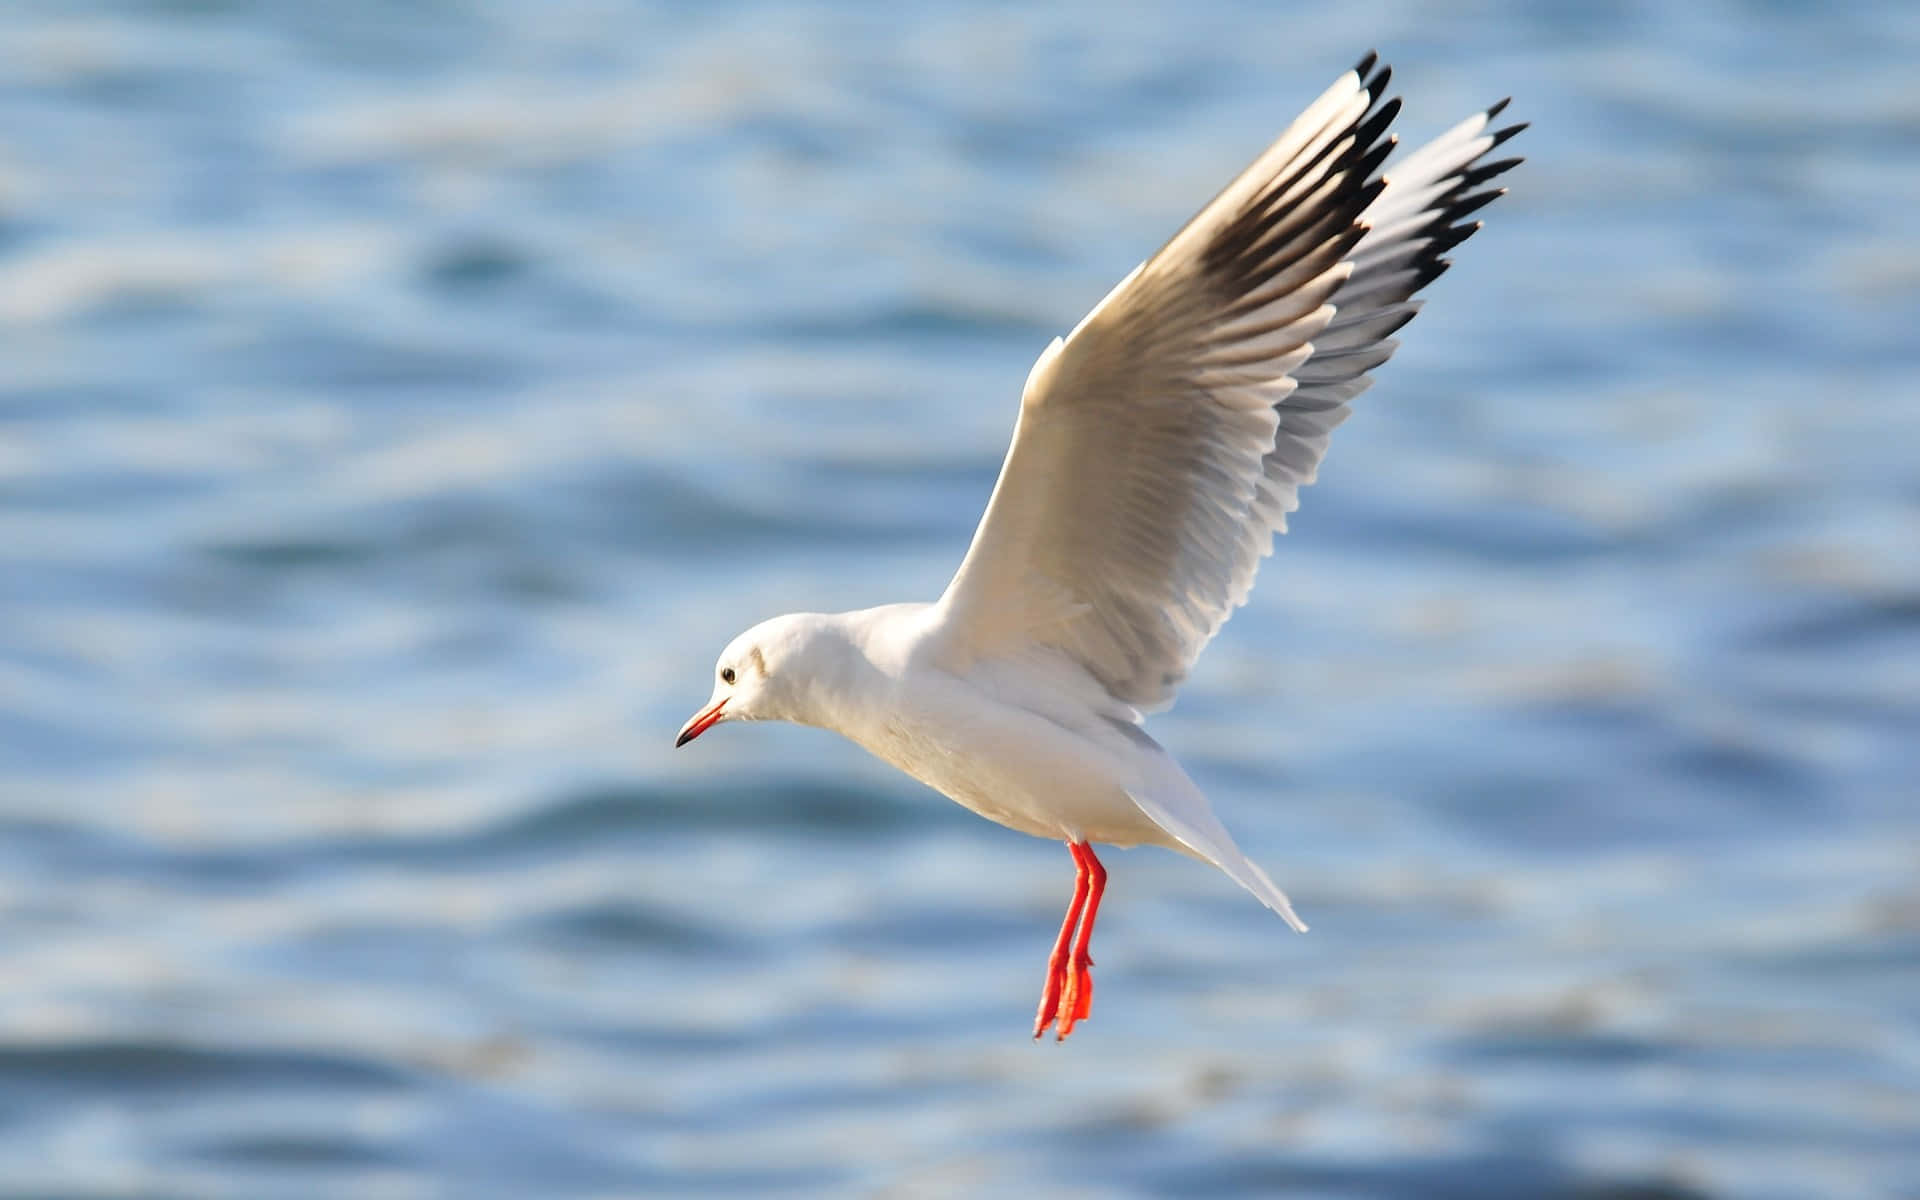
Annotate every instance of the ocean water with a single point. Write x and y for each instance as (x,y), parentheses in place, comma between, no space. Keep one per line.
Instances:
(402,403)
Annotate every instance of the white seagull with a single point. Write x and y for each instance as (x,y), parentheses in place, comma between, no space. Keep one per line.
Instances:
(1158,450)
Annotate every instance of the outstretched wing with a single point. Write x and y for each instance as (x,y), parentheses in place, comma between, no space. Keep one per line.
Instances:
(1160,446)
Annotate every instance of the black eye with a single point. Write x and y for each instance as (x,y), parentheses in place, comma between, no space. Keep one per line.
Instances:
(726,674)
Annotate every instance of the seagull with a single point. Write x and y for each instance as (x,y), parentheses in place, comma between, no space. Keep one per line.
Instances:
(1158,450)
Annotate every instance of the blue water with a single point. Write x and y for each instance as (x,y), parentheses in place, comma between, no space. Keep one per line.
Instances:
(402,403)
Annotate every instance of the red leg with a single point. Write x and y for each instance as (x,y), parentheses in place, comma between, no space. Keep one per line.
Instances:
(1077,1001)
(1057,962)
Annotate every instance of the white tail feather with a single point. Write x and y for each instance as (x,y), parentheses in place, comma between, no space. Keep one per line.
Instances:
(1178,807)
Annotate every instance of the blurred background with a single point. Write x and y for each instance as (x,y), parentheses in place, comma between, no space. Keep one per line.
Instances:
(402,403)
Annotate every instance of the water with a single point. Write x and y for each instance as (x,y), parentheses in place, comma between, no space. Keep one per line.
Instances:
(401,404)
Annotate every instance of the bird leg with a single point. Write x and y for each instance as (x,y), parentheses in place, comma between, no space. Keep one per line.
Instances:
(1077,1000)
(1068,996)
(1057,961)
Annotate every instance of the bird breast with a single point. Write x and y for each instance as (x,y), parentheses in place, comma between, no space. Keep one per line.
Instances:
(1023,769)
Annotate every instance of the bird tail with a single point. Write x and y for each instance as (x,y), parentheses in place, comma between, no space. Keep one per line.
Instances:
(1177,805)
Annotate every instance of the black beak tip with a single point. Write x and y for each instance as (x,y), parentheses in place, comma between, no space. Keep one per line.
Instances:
(686,735)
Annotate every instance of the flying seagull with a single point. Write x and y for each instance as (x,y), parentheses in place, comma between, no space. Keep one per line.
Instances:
(1159,448)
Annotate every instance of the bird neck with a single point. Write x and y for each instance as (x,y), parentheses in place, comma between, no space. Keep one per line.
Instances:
(856,658)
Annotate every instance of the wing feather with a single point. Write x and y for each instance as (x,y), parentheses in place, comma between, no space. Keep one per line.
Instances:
(1161,445)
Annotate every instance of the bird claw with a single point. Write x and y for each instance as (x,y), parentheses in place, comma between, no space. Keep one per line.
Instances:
(1067,1000)
(1049,999)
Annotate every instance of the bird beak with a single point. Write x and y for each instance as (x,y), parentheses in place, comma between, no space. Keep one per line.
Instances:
(702,721)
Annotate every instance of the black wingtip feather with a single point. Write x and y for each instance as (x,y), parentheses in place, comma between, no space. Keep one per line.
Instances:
(1373,156)
(1499,107)
(1366,64)
(1474,203)
(1509,133)
(1371,129)
(1429,273)
(1352,237)
(1369,194)
(1264,240)
(1452,236)
(1486,171)
(1371,161)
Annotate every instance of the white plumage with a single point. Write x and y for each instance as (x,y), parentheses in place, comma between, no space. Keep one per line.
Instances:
(1158,449)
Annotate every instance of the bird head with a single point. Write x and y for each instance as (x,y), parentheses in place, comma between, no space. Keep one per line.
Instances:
(761,675)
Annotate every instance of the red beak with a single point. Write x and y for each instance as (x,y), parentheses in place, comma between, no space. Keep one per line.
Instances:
(702,721)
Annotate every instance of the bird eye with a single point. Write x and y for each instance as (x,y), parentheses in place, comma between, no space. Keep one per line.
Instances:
(726,675)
